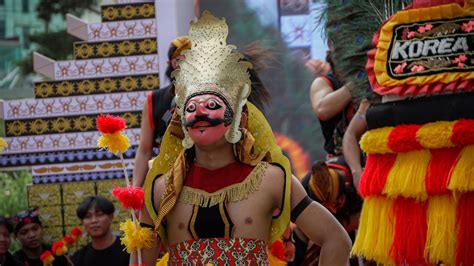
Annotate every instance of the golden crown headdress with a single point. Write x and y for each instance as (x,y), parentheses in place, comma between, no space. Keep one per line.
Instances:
(212,66)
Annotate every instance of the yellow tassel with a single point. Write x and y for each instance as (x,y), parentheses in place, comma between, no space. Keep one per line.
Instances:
(462,174)
(136,238)
(440,238)
(435,135)
(115,143)
(376,141)
(375,234)
(164,260)
(407,176)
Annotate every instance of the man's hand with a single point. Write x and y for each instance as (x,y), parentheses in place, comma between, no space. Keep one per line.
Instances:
(317,67)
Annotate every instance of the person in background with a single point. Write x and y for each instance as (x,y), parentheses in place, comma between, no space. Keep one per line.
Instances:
(331,101)
(28,231)
(157,113)
(96,214)
(6,259)
(331,185)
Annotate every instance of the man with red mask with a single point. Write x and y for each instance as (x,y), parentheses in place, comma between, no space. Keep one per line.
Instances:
(219,192)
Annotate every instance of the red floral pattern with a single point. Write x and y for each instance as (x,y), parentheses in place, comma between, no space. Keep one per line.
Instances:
(219,251)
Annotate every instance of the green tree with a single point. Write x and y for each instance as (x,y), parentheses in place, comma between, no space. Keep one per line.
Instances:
(59,44)
(13,195)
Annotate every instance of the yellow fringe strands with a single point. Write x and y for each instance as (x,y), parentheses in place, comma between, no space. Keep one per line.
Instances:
(115,143)
(435,135)
(407,176)
(441,234)
(376,141)
(462,174)
(136,238)
(231,193)
(375,235)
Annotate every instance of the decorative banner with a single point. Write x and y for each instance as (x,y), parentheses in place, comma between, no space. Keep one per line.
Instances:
(128,12)
(119,30)
(296,26)
(73,106)
(50,89)
(72,168)
(82,123)
(107,67)
(60,142)
(417,54)
(70,156)
(83,50)
(63,178)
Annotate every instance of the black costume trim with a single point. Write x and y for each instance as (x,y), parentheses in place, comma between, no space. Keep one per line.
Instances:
(295,213)
(210,222)
(421,110)
(142,224)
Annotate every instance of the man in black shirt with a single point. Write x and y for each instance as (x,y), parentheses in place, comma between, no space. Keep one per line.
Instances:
(29,232)
(96,214)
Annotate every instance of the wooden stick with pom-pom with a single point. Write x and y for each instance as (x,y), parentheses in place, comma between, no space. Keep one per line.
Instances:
(135,237)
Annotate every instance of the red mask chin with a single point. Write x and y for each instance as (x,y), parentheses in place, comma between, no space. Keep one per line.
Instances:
(206,135)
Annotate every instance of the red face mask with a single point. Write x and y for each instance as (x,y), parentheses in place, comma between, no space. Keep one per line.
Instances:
(205,119)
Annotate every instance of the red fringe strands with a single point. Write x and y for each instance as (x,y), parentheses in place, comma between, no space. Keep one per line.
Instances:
(375,234)
(375,174)
(407,176)
(442,161)
(465,239)
(463,132)
(409,232)
(440,239)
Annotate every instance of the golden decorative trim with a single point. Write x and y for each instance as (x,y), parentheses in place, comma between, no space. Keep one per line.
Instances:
(224,219)
(232,193)
(192,222)
(84,50)
(50,89)
(128,12)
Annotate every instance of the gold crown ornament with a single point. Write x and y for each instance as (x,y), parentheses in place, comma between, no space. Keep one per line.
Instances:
(212,66)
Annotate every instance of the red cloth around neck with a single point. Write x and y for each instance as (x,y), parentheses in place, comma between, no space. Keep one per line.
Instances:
(211,181)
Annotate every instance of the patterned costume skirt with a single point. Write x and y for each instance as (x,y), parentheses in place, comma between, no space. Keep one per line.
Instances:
(219,251)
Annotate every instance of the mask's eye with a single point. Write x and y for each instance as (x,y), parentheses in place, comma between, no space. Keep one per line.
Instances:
(213,105)
(191,108)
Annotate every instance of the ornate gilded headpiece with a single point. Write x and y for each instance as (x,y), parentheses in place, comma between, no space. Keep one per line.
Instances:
(212,66)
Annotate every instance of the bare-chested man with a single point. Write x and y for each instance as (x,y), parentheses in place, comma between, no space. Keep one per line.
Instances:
(229,193)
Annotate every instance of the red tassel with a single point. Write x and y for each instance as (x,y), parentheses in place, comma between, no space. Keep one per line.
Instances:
(130,197)
(463,130)
(465,239)
(403,138)
(410,232)
(277,249)
(442,160)
(110,124)
(375,173)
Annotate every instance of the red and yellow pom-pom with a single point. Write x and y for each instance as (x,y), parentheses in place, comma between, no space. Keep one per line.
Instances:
(136,238)
(47,258)
(76,232)
(109,124)
(59,248)
(130,197)
(69,240)
(277,249)
(115,143)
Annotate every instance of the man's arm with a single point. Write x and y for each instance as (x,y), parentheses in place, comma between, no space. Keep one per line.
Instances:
(325,101)
(350,142)
(149,256)
(144,151)
(321,228)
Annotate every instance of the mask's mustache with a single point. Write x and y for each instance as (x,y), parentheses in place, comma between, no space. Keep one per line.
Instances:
(212,121)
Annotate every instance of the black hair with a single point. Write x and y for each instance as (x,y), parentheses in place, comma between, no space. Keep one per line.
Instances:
(4,221)
(170,69)
(99,203)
